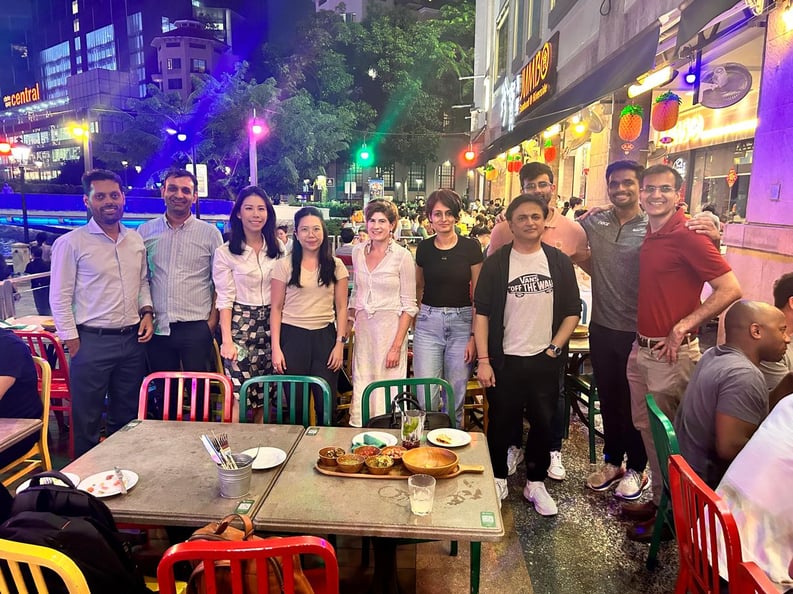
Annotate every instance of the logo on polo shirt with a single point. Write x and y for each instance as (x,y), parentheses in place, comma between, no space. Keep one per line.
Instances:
(529,284)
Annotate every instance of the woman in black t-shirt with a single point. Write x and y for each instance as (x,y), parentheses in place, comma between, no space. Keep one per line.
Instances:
(447,267)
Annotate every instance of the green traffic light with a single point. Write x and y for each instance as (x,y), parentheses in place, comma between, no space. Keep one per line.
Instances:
(365,157)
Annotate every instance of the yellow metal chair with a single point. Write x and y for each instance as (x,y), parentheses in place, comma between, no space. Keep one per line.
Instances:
(26,560)
(38,456)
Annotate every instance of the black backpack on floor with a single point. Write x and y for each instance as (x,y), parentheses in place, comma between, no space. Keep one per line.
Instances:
(78,525)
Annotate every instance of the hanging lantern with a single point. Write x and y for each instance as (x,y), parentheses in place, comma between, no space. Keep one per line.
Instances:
(630,122)
(665,111)
(514,163)
(549,154)
(491,173)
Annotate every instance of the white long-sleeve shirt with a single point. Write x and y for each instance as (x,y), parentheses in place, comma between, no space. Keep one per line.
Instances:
(244,278)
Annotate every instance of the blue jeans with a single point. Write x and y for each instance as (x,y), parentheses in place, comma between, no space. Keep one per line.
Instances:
(439,343)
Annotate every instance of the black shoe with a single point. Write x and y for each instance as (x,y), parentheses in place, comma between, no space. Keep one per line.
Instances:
(643,531)
(639,512)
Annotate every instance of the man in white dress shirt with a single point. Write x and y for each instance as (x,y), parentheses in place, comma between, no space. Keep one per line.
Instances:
(100,301)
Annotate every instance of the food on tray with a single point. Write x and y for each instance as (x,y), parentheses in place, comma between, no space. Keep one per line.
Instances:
(350,462)
(380,461)
(334,452)
(394,452)
(366,450)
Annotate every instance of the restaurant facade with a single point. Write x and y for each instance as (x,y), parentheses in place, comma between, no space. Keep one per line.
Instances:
(554,83)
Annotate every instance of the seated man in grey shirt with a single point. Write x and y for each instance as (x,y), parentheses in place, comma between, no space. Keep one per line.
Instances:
(779,371)
(726,399)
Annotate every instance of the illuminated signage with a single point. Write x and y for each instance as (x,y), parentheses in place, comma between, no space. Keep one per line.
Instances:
(23,97)
(538,76)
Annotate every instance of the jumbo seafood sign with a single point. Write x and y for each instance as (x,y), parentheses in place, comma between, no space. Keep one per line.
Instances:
(538,76)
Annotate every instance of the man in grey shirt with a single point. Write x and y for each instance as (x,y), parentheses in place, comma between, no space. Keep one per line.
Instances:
(726,399)
(779,371)
(179,249)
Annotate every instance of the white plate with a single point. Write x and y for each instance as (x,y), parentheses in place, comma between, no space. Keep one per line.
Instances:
(73,477)
(458,438)
(266,458)
(105,484)
(382,436)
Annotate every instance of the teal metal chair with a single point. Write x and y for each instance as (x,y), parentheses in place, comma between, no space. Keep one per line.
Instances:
(581,394)
(393,387)
(283,388)
(666,445)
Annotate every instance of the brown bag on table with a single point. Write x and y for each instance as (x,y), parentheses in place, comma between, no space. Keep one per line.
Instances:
(223,531)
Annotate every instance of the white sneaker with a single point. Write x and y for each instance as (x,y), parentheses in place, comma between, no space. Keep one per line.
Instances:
(631,485)
(514,457)
(535,492)
(556,470)
(502,490)
(604,478)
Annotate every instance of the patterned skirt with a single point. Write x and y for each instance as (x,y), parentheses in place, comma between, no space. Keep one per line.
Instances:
(250,330)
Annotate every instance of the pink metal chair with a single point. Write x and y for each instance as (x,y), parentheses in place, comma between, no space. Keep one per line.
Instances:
(750,579)
(47,346)
(236,556)
(697,511)
(199,382)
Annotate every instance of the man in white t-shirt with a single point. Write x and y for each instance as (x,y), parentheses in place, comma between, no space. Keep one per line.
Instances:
(527,306)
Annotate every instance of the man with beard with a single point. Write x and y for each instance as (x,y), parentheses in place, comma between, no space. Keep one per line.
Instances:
(179,249)
(102,309)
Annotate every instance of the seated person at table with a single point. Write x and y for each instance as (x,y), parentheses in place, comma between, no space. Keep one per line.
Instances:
(726,399)
(776,371)
(756,489)
(19,395)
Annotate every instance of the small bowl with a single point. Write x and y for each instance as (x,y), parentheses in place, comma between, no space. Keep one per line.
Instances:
(366,450)
(396,452)
(380,464)
(350,463)
(432,461)
(329,455)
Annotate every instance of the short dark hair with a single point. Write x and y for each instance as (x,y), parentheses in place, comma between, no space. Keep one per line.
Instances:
(478,230)
(449,198)
(177,172)
(575,201)
(42,237)
(36,251)
(523,199)
(99,175)
(347,235)
(533,170)
(624,165)
(284,228)
(661,170)
(383,206)
(783,290)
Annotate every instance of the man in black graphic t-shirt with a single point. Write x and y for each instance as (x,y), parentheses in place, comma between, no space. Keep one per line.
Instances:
(527,306)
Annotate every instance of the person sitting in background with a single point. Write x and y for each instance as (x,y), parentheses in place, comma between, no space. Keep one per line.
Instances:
(42,241)
(19,395)
(482,235)
(726,399)
(344,251)
(40,286)
(361,237)
(282,234)
(575,204)
(776,371)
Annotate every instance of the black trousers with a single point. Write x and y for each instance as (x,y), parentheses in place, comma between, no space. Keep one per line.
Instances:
(187,348)
(609,355)
(529,384)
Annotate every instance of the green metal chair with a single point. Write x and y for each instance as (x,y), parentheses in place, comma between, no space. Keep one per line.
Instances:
(665,442)
(393,387)
(582,393)
(291,387)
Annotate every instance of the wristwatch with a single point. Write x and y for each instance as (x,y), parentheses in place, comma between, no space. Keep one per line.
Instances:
(556,350)
(145,311)
(343,339)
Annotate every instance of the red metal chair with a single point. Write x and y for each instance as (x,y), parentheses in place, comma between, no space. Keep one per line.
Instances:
(702,520)
(47,346)
(750,579)
(324,580)
(199,382)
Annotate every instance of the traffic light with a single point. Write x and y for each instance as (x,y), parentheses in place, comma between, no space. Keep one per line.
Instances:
(365,156)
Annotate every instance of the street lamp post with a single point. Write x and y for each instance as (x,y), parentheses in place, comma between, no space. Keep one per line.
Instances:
(84,134)
(183,137)
(125,164)
(21,153)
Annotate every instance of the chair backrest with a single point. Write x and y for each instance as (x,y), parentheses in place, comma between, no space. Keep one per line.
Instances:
(235,553)
(750,579)
(702,520)
(27,462)
(199,382)
(286,389)
(392,387)
(217,360)
(664,437)
(47,346)
(26,560)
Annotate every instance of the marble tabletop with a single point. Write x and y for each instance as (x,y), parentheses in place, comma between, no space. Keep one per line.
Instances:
(179,482)
(12,431)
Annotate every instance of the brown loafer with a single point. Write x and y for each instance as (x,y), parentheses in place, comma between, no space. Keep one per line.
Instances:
(643,531)
(639,512)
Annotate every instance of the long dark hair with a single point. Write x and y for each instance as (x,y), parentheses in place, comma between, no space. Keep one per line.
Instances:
(327,265)
(238,234)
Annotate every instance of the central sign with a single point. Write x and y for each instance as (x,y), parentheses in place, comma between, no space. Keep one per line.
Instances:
(23,97)
(538,76)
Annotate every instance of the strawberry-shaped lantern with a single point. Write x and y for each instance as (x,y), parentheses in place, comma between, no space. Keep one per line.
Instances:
(514,163)
(665,111)
(549,153)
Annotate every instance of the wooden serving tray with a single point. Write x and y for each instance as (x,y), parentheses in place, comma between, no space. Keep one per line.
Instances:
(397,472)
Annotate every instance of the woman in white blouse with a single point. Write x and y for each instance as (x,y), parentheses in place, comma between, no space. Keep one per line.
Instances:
(382,306)
(241,272)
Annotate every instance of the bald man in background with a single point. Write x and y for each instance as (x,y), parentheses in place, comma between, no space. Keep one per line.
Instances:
(727,399)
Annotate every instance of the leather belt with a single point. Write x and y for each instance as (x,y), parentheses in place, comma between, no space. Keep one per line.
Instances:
(650,343)
(108,331)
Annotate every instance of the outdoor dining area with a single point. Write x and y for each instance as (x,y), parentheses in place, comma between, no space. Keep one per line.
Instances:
(176,476)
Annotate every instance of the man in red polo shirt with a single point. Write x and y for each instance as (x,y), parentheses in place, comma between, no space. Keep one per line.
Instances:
(674,264)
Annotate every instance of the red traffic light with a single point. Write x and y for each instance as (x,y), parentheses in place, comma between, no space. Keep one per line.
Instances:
(5,147)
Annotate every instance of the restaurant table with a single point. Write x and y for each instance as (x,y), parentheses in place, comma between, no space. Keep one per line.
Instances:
(12,431)
(178,482)
(303,500)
